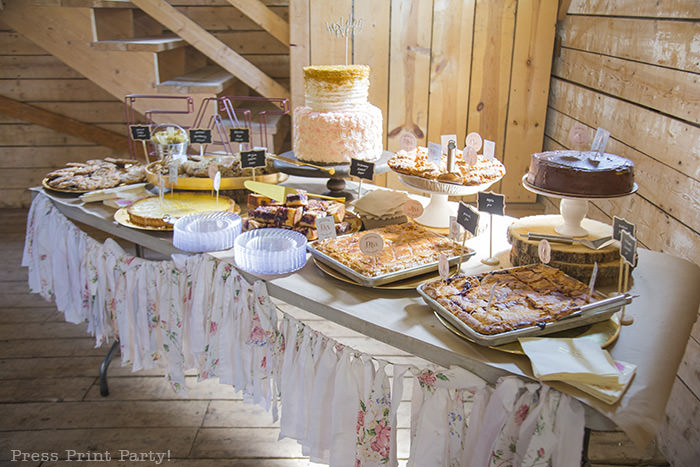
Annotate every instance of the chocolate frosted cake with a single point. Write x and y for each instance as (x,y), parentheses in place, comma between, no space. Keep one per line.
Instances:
(581,172)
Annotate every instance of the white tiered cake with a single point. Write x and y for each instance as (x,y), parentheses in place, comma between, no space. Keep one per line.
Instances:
(337,123)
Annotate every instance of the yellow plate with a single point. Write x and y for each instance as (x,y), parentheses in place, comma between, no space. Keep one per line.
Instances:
(206,183)
(604,332)
(122,217)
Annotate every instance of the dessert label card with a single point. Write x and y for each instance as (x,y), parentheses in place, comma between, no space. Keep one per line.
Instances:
(628,247)
(326,227)
(544,251)
(619,225)
(434,152)
(468,217)
(252,159)
(600,140)
(140,132)
(455,230)
(473,140)
(239,135)
(200,135)
(371,244)
(443,267)
(445,140)
(413,208)
(490,202)
(489,149)
(362,169)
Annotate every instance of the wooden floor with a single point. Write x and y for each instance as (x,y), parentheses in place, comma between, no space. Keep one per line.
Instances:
(50,401)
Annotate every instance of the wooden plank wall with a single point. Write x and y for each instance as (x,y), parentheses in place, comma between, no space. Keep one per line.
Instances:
(31,75)
(27,151)
(443,67)
(633,67)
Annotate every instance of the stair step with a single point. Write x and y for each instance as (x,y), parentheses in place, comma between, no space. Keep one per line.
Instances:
(85,3)
(142,44)
(211,79)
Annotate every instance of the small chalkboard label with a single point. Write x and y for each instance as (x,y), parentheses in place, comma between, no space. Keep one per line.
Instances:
(140,132)
(200,135)
(490,202)
(468,217)
(325,227)
(239,135)
(252,159)
(362,169)
(619,225)
(628,247)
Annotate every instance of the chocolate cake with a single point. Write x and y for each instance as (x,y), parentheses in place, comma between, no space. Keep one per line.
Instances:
(581,173)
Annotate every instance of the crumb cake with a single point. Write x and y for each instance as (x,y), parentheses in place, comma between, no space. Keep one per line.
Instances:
(150,212)
(525,296)
(337,123)
(581,172)
(406,246)
(417,163)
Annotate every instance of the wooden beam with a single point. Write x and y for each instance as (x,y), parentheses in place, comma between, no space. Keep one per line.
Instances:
(213,48)
(64,124)
(265,18)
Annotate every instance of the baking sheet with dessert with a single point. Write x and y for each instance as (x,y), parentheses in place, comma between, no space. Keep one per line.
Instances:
(499,306)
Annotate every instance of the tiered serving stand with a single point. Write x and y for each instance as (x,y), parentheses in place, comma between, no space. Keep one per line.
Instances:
(573,207)
(336,182)
(437,213)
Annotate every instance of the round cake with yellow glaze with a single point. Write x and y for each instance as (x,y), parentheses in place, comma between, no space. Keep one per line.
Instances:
(337,123)
(151,212)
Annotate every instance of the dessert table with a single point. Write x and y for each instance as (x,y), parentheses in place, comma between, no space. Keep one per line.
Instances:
(663,315)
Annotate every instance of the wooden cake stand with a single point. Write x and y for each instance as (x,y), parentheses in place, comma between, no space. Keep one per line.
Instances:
(573,208)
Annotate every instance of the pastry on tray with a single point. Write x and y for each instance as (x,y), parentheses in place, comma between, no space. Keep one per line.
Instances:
(298,213)
(418,164)
(406,246)
(152,212)
(96,174)
(198,167)
(524,296)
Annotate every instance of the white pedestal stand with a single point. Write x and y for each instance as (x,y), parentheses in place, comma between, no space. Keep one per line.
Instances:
(438,211)
(573,208)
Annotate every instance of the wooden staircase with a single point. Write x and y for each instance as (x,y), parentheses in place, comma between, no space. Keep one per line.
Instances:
(150,47)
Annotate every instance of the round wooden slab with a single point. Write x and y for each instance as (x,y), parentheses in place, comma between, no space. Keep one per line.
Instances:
(576,259)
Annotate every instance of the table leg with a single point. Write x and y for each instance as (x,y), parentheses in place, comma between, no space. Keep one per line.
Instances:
(104,390)
(139,250)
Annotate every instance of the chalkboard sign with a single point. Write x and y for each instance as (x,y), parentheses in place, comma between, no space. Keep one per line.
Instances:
(200,135)
(619,225)
(362,169)
(252,159)
(493,203)
(467,217)
(628,247)
(140,132)
(239,135)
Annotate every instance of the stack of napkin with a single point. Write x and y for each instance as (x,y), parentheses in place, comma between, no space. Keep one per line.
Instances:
(581,363)
(381,207)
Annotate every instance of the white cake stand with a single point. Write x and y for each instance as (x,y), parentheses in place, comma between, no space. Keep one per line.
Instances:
(437,213)
(573,207)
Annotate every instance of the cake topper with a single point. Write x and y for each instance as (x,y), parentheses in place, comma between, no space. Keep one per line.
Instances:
(345,28)
(600,140)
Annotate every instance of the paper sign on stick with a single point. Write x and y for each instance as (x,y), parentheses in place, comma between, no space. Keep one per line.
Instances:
(474,141)
(326,227)
(489,149)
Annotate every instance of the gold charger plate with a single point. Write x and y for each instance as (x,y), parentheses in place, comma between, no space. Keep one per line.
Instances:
(45,184)
(206,183)
(604,332)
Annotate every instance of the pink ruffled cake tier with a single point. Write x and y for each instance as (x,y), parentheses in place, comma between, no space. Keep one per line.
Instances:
(336,137)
